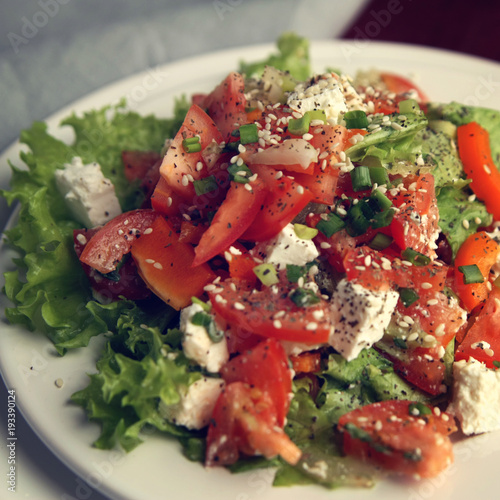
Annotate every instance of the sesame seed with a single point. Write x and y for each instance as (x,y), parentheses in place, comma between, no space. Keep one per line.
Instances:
(440,330)
(149,261)
(396,126)
(413,336)
(325,245)
(169,201)
(432,302)
(318,314)
(466,224)
(149,230)
(81,239)
(239,306)
(185,180)
(157,265)
(478,220)
(199,166)
(277,323)
(428,339)
(311,326)
(248,187)
(487,169)
(426,285)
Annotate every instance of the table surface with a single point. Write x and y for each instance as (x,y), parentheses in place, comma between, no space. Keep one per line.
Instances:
(55,51)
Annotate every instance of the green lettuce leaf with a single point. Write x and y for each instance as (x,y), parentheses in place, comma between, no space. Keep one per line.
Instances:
(292,56)
(48,288)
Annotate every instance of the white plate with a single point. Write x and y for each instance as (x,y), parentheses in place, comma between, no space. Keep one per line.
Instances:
(157,469)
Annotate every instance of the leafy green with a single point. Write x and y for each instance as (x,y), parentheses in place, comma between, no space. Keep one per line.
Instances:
(292,56)
(135,374)
(455,207)
(49,290)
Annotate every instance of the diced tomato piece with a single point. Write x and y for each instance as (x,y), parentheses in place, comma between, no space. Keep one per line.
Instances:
(306,362)
(264,366)
(127,283)
(165,265)
(241,264)
(233,218)
(385,271)
(226,104)
(391,435)
(108,246)
(244,421)
(285,199)
(191,232)
(482,340)
(179,167)
(137,163)
(299,324)
(321,183)
(401,85)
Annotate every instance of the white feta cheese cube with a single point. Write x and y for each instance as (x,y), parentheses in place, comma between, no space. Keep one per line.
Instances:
(198,346)
(326,94)
(360,317)
(286,248)
(476,397)
(88,194)
(196,406)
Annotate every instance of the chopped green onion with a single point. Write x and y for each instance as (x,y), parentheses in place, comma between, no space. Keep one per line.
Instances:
(267,274)
(305,232)
(231,147)
(409,106)
(379,176)
(317,114)
(248,133)
(205,185)
(416,258)
(381,241)
(239,173)
(358,222)
(191,144)
(472,274)
(331,225)
(203,319)
(206,306)
(418,409)
(356,119)
(496,364)
(400,343)
(382,219)
(408,296)
(295,272)
(360,178)
(299,126)
(303,297)
(381,200)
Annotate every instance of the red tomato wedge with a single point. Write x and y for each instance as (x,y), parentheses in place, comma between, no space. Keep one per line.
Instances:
(475,152)
(232,219)
(401,85)
(264,366)
(482,340)
(128,284)
(108,246)
(226,104)
(270,312)
(244,421)
(284,200)
(164,263)
(394,435)
(179,168)
(481,250)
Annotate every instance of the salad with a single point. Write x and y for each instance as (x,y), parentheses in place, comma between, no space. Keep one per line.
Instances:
(296,270)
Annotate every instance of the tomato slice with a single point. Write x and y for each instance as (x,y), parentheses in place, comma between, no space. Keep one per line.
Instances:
(127,283)
(232,219)
(108,246)
(285,199)
(165,265)
(391,435)
(482,340)
(226,104)
(264,366)
(401,85)
(179,168)
(270,312)
(244,421)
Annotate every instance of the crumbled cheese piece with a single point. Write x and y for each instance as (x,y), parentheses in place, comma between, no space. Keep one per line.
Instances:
(196,405)
(476,397)
(326,94)
(197,345)
(88,194)
(286,248)
(361,317)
